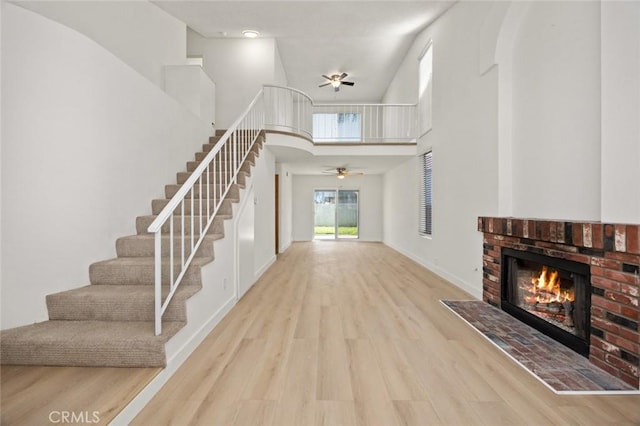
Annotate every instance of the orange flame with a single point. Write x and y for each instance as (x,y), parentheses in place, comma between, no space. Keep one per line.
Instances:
(547,288)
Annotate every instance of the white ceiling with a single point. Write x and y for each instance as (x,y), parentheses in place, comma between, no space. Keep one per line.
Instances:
(301,162)
(366,39)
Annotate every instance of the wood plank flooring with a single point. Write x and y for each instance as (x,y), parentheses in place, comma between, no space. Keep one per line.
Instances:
(333,334)
(354,334)
(33,395)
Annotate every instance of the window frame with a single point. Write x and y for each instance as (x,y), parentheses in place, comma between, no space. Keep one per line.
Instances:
(337,134)
(425,90)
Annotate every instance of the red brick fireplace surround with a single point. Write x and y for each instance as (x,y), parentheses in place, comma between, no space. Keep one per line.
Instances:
(613,253)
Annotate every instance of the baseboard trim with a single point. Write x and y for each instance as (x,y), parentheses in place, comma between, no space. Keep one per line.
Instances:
(284,247)
(458,282)
(264,267)
(126,416)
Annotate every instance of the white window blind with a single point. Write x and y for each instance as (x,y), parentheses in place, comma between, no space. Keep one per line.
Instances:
(426,215)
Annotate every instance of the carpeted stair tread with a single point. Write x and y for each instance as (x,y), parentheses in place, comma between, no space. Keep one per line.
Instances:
(181,177)
(141,271)
(143,245)
(117,303)
(87,343)
(251,157)
(217,227)
(192,165)
(226,208)
(214,190)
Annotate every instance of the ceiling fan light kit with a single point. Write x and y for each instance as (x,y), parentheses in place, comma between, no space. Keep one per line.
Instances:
(342,172)
(337,80)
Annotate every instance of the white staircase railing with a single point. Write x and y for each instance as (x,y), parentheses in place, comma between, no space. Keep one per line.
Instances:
(182,225)
(288,110)
(184,222)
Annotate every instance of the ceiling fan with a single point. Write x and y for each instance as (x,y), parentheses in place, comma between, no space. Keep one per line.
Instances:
(336,80)
(342,172)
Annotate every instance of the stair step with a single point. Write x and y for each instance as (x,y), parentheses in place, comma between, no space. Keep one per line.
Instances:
(251,158)
(143,245)
(117,303)
(226,208)
(87,343)
(141,271)
(246,166)
(181,177)
(214,190)
(212,143)
(209,146)
(216,228)
(214,139)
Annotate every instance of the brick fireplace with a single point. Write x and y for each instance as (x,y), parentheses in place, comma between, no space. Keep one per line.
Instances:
(612,253)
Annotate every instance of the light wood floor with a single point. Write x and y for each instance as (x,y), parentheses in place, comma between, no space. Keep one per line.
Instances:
(43,395)
(354,334)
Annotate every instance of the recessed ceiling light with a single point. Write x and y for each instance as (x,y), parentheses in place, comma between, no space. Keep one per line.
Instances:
(250,33)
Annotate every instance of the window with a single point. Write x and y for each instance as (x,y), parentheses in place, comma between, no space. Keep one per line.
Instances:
(426,208)
(425,89)
(337,127)
(336,214)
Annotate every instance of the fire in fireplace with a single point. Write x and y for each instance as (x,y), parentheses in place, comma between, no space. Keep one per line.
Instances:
(550,294)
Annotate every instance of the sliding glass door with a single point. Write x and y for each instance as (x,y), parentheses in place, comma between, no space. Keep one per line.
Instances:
(336,214)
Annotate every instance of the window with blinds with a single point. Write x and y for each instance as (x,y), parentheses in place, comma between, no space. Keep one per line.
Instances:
(426,215)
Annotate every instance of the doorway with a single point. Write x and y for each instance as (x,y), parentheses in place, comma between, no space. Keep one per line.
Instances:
(336,214)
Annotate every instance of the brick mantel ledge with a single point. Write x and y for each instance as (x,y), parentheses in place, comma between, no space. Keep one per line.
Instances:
(612,251)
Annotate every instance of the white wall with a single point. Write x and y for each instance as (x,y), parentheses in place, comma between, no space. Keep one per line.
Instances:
(239,68)
(556,112)
(193,88)
(245,237)
(620,47)
(138,32)
(280,77)
(265,217)
(464,143)
(286,207)
(370,203)
(87,142)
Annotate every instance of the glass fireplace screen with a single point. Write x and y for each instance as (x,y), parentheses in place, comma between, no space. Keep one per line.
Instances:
(551,294)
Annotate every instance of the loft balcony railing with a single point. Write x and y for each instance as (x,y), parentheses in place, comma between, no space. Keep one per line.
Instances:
(183,224)
(292,111)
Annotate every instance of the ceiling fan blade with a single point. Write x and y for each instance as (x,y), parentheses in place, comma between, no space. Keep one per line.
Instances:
(348,83)
(343,75)
(325,84)
(328,78)
(354,174)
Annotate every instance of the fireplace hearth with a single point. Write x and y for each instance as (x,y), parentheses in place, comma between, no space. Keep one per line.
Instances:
(578,282)
(549,294)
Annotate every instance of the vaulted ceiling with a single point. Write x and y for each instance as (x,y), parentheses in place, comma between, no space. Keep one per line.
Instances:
(366,39)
